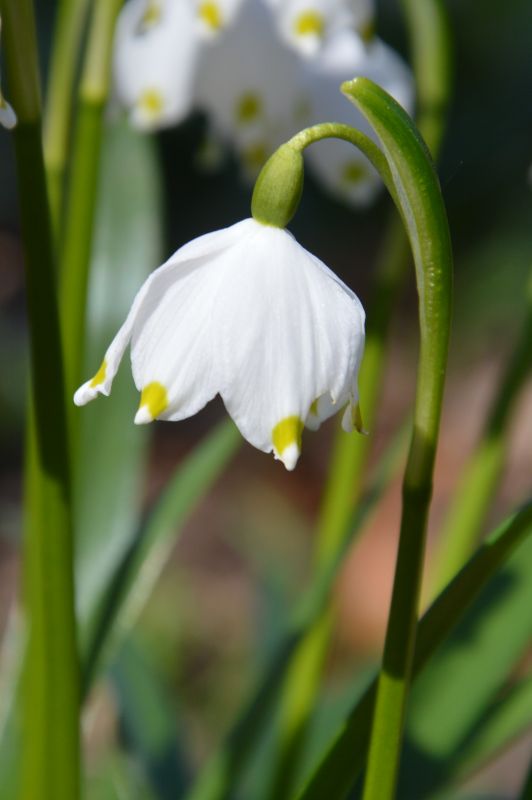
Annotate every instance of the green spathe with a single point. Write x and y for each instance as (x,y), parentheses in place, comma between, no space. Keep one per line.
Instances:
(278,188)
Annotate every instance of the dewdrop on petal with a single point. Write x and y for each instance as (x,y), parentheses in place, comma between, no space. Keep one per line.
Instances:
(245,312)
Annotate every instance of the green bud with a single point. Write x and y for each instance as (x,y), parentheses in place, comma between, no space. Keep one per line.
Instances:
(278,188)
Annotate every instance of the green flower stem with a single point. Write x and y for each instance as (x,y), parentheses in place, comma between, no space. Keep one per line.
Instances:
(426,223)
(462,525)
(429,35)
(82,190)
(219,778)
(430,45)
(71,15)
(50,755)
(344,760)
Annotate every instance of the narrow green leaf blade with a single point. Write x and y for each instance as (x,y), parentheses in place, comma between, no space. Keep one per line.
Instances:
(341,765)
(112,450)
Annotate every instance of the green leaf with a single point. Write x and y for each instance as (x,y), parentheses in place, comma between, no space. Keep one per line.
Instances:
(454,694)
(134,575)
(112,450)
(148,721)
(342,763)
(225,768)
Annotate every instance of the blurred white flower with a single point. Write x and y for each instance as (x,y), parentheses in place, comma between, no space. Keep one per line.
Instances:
(343,170)
(248,313)
(249,83)
(307,24)
(8,118)
(214,16)
(155,57)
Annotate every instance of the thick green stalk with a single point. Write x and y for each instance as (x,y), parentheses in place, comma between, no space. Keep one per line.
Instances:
(477,485)
(428,30)
(425,220)
(82,190)
(344,760)
(66,45)
(219,778)
(50,756)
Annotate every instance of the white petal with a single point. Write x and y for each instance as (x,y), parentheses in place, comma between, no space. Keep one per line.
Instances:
(343,170)
(184,261)
(214,16)
(154,64)
(291,334)
(306,24)
(249,82)
(8,118)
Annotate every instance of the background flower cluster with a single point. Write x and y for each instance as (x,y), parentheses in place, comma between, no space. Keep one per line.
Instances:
(261,70)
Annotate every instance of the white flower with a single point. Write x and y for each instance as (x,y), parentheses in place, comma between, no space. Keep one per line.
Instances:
(306,24)
(8,118)
(343,170)
(249,82)
(155,55)
(213,16)
(248,313)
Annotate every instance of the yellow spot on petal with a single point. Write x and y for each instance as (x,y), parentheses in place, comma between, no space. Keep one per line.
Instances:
(248,107)
(155,397)
(100,375)
(367,31)
(152,15)
(356,419)
(151,102)
(255,156)
(288,431)
(314,407)
(210,14)
(354,172)
(309,23)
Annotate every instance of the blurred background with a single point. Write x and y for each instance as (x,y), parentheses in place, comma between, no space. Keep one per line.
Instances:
(244,555)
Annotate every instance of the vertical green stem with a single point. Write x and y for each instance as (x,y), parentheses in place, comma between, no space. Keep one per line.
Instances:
(51,677)
(82,190)
(425,220)
(463,522)
(66,44)
(428,30)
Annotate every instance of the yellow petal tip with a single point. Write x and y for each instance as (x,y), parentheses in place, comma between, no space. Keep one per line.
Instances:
(153,401)
(286,440)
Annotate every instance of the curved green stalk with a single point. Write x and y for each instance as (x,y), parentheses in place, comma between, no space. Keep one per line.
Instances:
(71,15)
(81,198)
(426,223)
(463,522)
(344,760)
(50,752)
(431,56)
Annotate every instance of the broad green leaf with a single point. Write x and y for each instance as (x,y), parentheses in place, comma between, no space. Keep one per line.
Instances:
(453,695)
(340,766)
(112,450)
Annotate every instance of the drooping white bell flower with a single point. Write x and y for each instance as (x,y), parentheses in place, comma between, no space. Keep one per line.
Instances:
(249,83)
(214,16)
(8,118)
(248,313)
(342,169)
(306,24)
(155,56)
